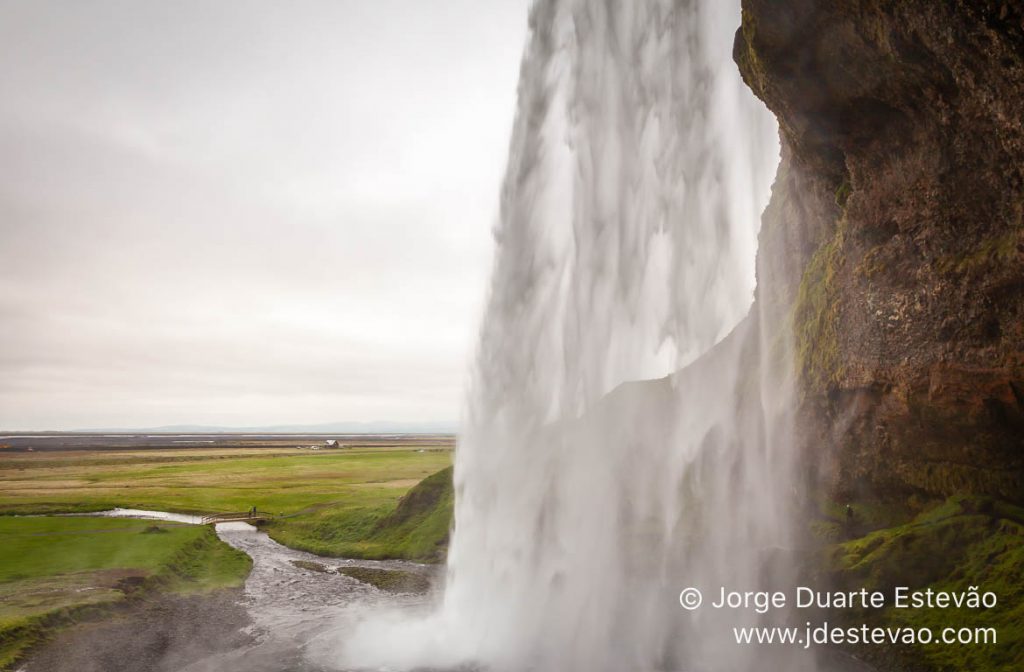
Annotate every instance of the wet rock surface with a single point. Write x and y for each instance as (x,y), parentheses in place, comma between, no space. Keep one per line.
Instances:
(896,227)
(899,205)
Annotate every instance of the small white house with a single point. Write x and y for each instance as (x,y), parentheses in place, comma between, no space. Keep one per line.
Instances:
(331,443)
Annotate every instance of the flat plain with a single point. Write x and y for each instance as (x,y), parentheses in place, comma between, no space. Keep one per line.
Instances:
(276,479)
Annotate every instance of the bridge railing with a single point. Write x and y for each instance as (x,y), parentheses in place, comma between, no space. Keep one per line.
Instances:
(234,517)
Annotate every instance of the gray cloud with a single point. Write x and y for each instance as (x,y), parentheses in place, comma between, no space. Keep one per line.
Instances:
(246,212)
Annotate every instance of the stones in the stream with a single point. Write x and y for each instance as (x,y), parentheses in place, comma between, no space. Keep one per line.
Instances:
(311,566)
(390,580)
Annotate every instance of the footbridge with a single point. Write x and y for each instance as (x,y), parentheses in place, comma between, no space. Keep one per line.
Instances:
(240,517)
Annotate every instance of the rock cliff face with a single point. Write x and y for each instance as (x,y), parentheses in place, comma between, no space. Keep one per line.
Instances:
(899,210)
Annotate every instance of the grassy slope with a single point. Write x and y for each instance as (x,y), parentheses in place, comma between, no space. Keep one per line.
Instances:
(966,541)
(416,529)
(52,569)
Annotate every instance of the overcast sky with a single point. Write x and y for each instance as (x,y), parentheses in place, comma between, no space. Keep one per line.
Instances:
(247,212)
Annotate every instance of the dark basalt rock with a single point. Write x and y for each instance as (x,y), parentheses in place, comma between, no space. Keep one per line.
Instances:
(900,207)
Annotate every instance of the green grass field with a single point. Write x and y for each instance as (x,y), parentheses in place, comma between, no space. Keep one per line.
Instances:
(52,569)
(212,480)
(331,502)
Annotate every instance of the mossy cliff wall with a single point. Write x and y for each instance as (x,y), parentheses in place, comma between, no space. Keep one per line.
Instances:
(898,211)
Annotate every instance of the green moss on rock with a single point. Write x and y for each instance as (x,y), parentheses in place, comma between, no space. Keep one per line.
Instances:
(992,251)
(746,56)
(843,193)
(815,316)
(963,542)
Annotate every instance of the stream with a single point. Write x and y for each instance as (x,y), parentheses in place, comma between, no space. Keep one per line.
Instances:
(296,611)
(297,602)
(301,609)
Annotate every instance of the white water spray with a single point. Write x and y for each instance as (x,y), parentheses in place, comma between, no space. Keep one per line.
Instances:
(638,169)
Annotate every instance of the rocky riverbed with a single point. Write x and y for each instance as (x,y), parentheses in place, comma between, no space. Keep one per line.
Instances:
(281,620)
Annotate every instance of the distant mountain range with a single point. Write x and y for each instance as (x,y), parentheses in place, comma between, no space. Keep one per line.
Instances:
(374,427)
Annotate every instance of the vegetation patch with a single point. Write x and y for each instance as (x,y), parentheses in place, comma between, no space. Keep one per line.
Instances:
(994,250)
(964,542)
(836,523)
(872,263)
(56,571)
(843,192)
(416,528)
(816,314)
(390,580)
(206,564)
(311,566)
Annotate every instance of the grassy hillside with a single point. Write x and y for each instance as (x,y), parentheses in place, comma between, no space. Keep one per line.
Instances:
(416,529)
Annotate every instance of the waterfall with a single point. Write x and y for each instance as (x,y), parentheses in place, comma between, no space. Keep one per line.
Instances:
(638,168)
